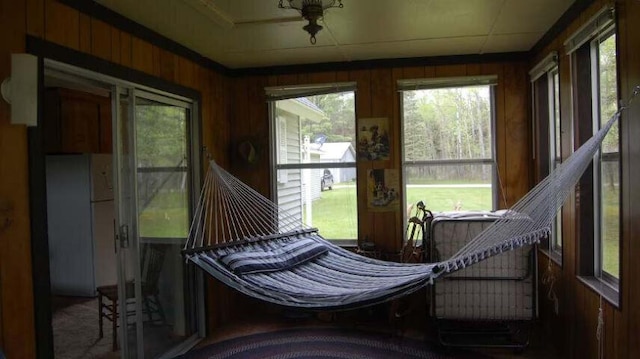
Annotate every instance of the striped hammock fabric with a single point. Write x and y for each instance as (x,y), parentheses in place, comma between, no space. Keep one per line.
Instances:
(232,223)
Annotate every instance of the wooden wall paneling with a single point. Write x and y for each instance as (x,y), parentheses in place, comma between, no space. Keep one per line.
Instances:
(429,71)
(609,331)
(500,128)
(62,24)
(101,39)
(362,78)
(156,56)
(342,76)
(206,114)
(545,304)
(578,327)
(302,78)
(474,69)
(16,277)
(287,79)
(115,45)
(398,139)
(450,70)
(84,33)
(414,72)
(629,52)
(239,127)
(592,305)
(185,72)
(126,51)
(141,55)
(259,127)
(35,18)
(621,335)
(167,67)
(382,92)
(386,224)
(321,77)
(518,132)
(223,112)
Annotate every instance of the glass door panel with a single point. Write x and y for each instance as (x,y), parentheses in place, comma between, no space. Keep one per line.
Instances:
(163,180)
(128,310)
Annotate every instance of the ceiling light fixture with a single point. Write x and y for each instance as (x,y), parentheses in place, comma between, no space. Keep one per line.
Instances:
(312,11)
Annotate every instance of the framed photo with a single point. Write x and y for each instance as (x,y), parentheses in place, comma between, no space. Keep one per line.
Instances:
(373,139)
(383,190)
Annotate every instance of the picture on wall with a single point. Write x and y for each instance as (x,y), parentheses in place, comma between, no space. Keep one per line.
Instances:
(373,139)
(383,190)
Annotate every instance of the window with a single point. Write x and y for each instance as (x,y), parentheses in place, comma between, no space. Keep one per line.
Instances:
(313,134)
(595,86)
(448,151)
(607,173)
(545,86)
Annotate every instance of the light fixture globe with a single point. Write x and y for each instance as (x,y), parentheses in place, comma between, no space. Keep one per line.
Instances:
(312,11)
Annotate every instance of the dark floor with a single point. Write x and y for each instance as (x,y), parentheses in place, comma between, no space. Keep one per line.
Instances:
(76,331)
(367,320)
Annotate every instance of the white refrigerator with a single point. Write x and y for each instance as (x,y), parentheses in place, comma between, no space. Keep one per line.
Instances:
(80,216)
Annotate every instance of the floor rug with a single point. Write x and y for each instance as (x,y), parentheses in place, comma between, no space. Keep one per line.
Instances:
(323,343)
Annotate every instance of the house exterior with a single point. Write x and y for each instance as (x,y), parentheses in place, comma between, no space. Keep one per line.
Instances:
(291,149)
(338,152)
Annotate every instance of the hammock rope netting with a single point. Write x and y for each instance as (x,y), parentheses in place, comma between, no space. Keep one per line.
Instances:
(233,222)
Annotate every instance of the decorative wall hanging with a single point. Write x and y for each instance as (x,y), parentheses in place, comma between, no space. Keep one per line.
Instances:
(373,139)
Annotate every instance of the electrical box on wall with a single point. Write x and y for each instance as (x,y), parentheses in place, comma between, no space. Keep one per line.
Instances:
(20,90)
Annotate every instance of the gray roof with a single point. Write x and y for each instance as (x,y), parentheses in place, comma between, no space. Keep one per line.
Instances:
(305,101)
(332,150)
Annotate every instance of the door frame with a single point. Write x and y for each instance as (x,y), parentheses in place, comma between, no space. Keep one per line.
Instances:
(48,52)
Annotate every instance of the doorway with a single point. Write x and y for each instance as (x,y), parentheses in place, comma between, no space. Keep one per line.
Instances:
(120,184)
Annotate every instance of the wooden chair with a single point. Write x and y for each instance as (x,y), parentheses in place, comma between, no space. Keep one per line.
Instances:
(152,261)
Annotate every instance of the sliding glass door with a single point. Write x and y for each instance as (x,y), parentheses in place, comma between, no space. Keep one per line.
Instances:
(163,180)
(158,302)
(155,183)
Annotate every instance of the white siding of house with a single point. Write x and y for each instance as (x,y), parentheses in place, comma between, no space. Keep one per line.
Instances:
(289,198)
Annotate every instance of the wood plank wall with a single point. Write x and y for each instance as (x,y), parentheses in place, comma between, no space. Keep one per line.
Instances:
(247,118)
(54,22)
(573,328)
(377,96)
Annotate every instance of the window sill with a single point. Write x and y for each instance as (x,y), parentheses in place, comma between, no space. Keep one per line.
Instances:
(554,256)
(609,293)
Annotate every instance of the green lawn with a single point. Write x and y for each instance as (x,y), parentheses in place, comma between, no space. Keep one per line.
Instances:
(334,214)
(165,216)
(611,232)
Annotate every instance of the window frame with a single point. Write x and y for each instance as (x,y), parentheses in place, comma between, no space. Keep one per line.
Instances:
(547,129)
(448,83)
(275,94)
(604,276)
(586,92)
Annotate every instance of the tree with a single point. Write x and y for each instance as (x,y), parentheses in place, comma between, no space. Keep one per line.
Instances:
(339,108)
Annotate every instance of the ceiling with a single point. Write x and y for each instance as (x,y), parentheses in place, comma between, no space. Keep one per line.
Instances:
(256,33)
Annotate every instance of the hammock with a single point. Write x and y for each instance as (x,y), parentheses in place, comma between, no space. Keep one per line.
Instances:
(244,240)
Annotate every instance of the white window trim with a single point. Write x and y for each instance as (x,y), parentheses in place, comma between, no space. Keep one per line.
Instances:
(442,83)
(599,272)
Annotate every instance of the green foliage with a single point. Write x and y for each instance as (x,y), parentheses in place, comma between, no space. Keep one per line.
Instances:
(340,111)
(447,124)
(161,135)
